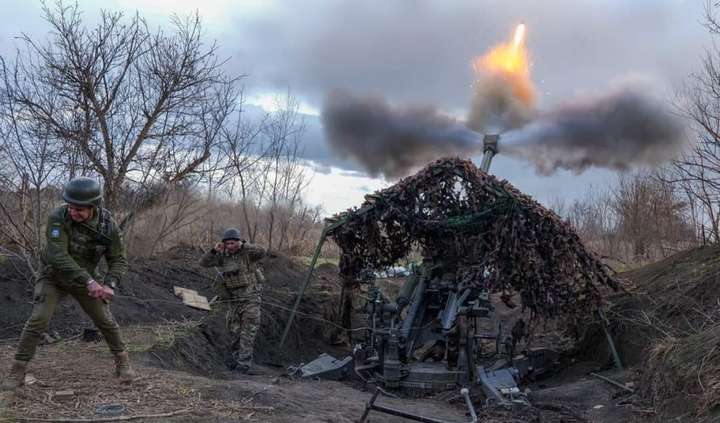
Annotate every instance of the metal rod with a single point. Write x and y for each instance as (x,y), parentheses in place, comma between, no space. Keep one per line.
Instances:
(417,297)
(403,414)
(318,249)
(611,342)
(369,406)
(612,382)
(473,415)
(329,227)
(414,417)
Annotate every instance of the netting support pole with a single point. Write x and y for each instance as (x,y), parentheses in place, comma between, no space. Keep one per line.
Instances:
(330,226)
(611,343)
(318,249)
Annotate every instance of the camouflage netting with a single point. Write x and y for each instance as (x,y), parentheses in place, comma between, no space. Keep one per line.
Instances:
(492,231)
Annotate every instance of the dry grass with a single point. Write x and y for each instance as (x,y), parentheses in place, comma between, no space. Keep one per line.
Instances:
(87,370)
(674,314)
(688,365)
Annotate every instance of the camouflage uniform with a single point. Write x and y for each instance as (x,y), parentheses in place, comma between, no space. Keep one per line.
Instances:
(69,261)
(239,290)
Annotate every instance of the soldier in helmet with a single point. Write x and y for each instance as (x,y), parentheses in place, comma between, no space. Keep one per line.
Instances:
(79,234)
(239,289)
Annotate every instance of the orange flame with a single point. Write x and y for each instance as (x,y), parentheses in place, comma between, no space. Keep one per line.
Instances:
(511,61)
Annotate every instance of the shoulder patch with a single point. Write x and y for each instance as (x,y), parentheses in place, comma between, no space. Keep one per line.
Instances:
(55,233)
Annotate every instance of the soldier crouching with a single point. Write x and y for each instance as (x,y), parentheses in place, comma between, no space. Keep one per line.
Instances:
(78,234)
(239,291)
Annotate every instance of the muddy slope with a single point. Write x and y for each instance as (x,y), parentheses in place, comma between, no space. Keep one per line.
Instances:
(146,296)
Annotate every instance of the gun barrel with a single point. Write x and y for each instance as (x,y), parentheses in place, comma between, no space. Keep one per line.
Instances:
(490,149)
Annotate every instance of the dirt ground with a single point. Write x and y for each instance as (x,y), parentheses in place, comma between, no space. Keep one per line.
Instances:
(86,370)
(181,356)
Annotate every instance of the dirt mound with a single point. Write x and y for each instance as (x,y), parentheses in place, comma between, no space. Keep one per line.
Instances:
(668,325)
(206,350)
(681,288)
(146,296)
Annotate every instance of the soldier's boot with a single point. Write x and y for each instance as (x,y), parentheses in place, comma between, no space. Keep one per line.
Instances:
(123,369)
(16,378)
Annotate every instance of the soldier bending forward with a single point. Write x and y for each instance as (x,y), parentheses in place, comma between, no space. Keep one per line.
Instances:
(79,234)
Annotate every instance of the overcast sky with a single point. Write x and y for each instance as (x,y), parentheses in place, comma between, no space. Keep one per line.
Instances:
(420,52)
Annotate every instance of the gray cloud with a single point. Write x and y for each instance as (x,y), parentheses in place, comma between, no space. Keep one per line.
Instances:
(619,129)
(392,141)
(421,52)
(316,149)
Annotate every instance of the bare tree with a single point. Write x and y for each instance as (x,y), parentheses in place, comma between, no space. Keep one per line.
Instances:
(287,177)
(638,218)
(152,114)
(301,240)
(131,100)
(175,209)
(697,173)
(650,216)
(245,150)
(593,218)
(268,175)
(30,159)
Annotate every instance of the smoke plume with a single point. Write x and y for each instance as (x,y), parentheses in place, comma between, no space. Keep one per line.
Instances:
(392,141)
(504,95)
(500,102)
(617,130)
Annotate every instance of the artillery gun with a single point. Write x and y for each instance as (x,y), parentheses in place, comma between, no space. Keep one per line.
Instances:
(431,336)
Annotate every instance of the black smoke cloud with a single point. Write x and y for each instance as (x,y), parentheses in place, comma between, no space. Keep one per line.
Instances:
(392,141)
(618,130)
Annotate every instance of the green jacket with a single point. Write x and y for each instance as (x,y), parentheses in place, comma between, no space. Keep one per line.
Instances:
(240,273)
(73,249)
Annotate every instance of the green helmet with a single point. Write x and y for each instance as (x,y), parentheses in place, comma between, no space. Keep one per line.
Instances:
(83,192)
(231,233)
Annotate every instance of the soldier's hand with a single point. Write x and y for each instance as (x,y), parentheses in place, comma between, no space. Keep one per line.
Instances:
(107,293)
(95,290)
(219,247)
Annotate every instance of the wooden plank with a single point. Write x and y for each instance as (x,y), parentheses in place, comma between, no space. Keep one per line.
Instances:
(195,300)
(178,290)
